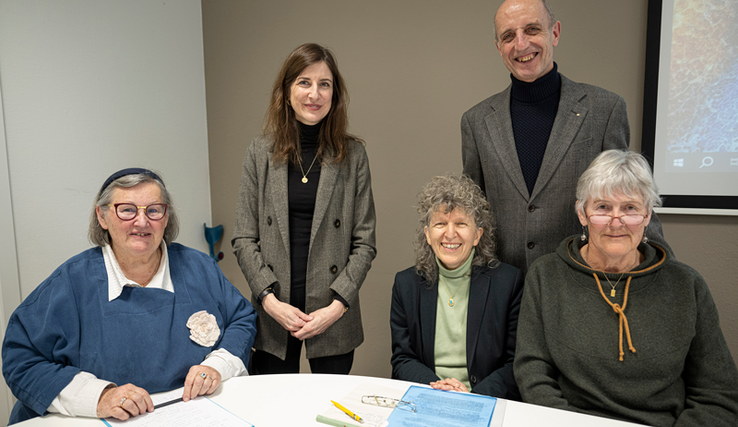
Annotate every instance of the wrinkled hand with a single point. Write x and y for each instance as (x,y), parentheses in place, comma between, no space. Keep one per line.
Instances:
(195,385)
(449,384)
(291,318)
(322,319)
(137,401)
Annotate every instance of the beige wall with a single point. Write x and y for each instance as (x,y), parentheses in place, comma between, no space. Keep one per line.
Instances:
(412,68)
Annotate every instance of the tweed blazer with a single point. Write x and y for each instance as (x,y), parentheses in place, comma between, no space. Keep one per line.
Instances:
(491,328)
(589,120)
(342,244)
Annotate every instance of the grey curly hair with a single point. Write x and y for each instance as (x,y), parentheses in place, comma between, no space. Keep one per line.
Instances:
(100,237)
(444,194)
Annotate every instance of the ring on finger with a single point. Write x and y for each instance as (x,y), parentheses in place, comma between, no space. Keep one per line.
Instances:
(210,378)
(122,401)
(203,375)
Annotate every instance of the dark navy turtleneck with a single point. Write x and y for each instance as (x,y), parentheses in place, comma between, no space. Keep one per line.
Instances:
(533,108)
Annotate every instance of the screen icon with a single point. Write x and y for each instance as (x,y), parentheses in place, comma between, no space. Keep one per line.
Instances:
(734,161)
(707,161)
(678,163)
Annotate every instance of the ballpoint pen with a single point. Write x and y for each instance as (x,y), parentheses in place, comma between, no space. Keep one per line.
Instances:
(171,402)
(349,413)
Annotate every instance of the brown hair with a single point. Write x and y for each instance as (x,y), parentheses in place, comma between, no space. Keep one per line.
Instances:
(280,122)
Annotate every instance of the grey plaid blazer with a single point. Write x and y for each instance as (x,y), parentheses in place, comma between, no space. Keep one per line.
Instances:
(342,244)
(589,120)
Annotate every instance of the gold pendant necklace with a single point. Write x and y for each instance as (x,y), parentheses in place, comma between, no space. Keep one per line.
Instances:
(451,297)
(304,174)
(612,291)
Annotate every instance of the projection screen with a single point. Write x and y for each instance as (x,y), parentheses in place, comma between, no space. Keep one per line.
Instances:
(690,114)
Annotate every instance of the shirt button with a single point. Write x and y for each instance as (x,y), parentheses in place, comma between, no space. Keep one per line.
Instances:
(269,220)
(334,269)
(473,379)
(531,245)
(337,223)
(531,208)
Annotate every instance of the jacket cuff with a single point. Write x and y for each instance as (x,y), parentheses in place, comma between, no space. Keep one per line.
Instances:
(80,397)
(341,300)
(227,365)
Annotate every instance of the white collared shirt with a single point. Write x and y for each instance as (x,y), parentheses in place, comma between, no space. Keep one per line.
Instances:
(81,396)
(117,279)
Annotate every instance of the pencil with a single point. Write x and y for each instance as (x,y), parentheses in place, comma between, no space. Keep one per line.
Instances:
(349,413)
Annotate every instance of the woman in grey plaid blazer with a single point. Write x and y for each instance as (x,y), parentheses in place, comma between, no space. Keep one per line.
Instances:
(304,233)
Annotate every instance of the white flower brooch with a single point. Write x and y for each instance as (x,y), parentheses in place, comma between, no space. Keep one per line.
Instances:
(204,328)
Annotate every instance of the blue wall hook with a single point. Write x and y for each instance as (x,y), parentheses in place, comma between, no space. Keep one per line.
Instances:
(212,235)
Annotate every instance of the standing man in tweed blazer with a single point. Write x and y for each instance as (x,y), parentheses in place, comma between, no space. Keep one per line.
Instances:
(527,145)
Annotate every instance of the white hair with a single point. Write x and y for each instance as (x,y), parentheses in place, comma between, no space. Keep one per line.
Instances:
(618,172)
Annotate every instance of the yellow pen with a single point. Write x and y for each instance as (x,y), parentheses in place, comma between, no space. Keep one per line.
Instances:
(349,413)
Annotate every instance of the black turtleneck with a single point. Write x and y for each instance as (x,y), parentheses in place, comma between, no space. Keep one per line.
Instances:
(301,208)
(533,108)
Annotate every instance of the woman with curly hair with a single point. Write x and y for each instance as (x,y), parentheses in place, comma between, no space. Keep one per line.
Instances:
(455,313)
(304,234)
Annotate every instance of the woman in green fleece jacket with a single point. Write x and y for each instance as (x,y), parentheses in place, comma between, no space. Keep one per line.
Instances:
(612,325)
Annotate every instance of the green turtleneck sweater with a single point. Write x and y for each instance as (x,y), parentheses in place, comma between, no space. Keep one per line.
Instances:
(450,342)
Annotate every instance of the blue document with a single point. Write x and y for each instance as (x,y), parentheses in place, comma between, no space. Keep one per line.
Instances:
(443,408)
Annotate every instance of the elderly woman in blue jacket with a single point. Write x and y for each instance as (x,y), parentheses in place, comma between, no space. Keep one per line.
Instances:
(136,314)
(455,313)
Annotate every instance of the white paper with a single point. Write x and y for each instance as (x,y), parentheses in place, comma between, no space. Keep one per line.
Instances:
(198,412)
(373,415)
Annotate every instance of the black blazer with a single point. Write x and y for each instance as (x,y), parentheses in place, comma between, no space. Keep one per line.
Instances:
(494,303)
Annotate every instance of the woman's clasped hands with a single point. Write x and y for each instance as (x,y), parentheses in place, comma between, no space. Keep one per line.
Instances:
(449,384)
(300,325)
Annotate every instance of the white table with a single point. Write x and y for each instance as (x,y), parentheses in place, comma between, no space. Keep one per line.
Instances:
(295,400)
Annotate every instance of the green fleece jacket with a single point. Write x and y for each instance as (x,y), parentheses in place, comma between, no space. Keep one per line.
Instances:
(567,356)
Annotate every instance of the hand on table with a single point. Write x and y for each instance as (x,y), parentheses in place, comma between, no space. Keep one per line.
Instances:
(449,384)
(291,318)
(322,319)
(124,402)
(197,384)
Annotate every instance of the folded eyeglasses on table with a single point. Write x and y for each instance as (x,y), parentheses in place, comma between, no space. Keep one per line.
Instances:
(388,402)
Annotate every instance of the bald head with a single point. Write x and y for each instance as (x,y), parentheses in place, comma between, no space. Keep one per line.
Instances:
(524,3)
(526,37)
